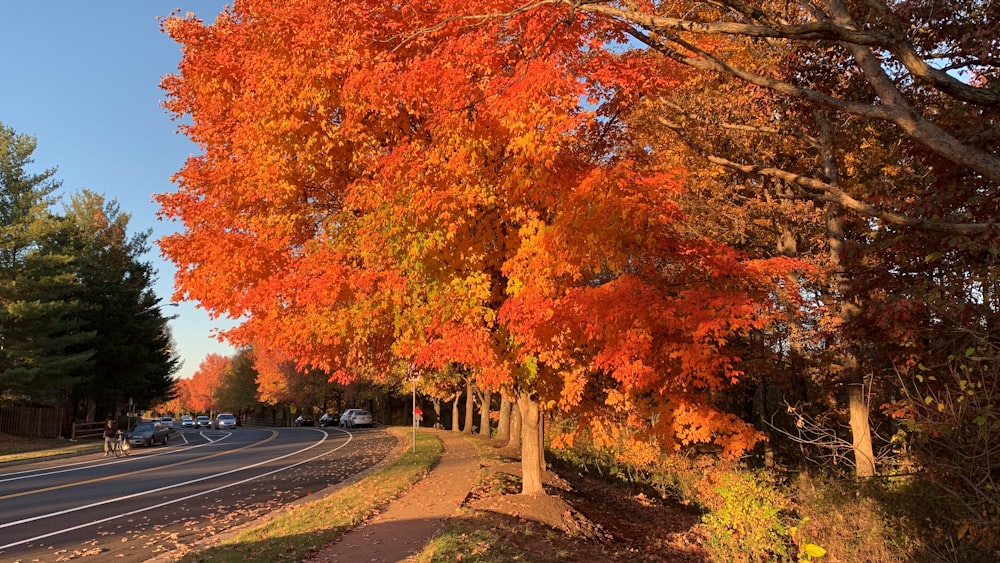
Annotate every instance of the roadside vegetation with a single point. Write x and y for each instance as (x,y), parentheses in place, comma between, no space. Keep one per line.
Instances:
(16,448)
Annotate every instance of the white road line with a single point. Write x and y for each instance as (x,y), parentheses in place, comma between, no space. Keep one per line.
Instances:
(88,464)
(134,495)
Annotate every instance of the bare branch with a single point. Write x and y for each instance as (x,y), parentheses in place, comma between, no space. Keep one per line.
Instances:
(828,192)
(820,30)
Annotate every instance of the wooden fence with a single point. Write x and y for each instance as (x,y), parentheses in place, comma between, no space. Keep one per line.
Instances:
(32,422)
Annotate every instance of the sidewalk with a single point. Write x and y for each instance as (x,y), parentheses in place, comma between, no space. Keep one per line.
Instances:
(414,518)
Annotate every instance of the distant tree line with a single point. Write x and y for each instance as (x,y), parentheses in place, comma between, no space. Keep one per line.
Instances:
(80,324)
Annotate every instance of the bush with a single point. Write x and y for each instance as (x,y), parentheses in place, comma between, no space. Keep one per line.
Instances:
(851,525)
(744,522)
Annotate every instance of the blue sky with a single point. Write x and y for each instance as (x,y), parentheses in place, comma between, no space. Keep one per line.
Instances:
(83,79)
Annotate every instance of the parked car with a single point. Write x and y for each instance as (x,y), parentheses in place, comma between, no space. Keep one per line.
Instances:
(356,417)
(187,421)
(303,420)
(225,420)
(167,421)
(203,421)
(149,434)
(329,419)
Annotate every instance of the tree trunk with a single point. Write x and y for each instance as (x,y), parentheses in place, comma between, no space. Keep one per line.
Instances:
(485,398)
(503,422)
(861,438)
(437,413)
(470,405)
(864,456)
(454,412)
(532,456)
(861,441)
(515,427)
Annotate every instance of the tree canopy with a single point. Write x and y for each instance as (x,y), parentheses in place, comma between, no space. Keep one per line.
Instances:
(381,186)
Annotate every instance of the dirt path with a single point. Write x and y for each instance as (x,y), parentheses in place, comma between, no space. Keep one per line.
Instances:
(414,518)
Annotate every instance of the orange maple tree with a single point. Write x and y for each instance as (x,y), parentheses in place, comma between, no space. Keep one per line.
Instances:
(199,391)
(387,185)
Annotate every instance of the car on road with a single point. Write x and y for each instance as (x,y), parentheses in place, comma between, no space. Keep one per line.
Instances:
(225,420)
(187,421)
(167,421)
(329,419)
(356,417)
(303,420)
(203,421)
(149,434)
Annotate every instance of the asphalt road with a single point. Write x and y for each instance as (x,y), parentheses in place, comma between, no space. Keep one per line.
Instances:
(164,497)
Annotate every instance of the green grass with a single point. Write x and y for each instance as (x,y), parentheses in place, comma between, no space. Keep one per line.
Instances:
(293,535)
(462,540)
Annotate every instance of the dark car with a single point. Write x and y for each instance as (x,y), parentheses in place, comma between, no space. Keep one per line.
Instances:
(329,419)
(149,434)
(203,422)
(304,421)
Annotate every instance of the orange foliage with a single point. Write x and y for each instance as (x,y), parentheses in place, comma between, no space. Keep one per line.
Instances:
(200,390)
(383,185)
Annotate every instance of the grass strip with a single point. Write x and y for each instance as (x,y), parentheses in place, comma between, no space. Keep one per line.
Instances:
(292,536)
(465,540)
(16,453)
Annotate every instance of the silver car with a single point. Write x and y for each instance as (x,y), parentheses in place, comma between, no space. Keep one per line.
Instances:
(225,420)
(356,417)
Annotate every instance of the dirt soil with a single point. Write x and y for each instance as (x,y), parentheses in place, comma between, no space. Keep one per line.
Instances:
(583,518)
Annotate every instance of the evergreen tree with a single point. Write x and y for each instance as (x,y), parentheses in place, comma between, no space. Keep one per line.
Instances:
(134,357)
(41,341)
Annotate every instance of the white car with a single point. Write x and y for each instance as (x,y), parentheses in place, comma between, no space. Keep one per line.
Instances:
(167,421)
(356,417)
(187,421)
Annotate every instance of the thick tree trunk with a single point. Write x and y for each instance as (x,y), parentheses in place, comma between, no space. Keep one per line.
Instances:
(437,412)
(515,427)
(485,398)
(503,422)
(532,455)
(470,406)
(454,412)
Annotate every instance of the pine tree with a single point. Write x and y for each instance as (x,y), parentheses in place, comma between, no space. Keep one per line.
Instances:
(41,341)
(134,356)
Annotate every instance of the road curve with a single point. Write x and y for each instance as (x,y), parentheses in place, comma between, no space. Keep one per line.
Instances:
(202,483)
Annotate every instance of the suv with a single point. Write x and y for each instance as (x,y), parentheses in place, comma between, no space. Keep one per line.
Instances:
(225,420)
(356,417)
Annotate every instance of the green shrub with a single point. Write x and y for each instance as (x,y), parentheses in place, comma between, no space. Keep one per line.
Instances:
(744,519)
